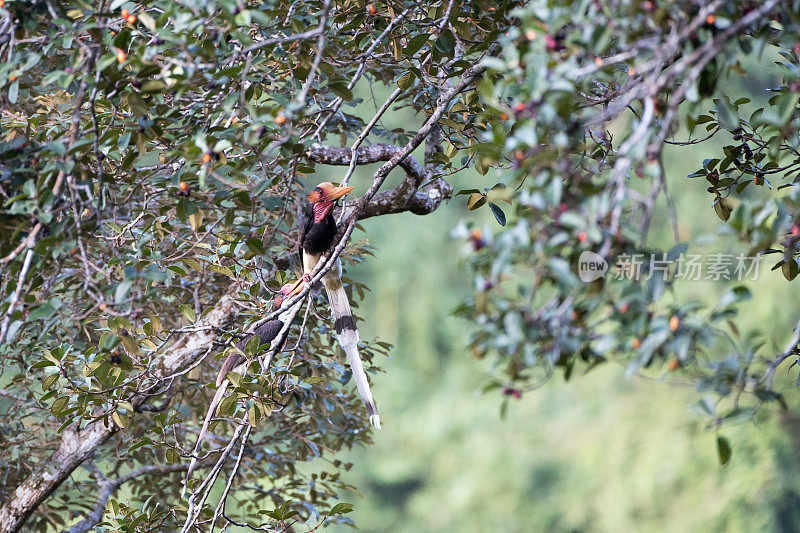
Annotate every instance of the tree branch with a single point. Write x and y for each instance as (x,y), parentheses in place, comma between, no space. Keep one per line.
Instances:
(109,486)
(78,443)
(405,197)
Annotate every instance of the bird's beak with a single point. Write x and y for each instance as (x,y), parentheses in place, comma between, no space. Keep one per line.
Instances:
(338,192)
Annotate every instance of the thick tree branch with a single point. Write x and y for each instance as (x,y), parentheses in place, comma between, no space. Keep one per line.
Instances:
(408,196)
(361,206)
(78,443)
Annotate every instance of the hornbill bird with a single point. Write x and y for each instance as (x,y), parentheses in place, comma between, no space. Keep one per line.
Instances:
(317,231)
(237,361)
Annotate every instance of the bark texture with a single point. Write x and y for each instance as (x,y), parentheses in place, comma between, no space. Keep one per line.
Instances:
(418,193)
(78,443)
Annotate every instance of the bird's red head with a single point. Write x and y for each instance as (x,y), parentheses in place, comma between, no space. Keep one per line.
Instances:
(324,196)
(287,291)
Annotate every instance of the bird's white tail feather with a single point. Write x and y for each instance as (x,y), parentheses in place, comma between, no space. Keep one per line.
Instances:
(360,377)
(347,335)
(212,409)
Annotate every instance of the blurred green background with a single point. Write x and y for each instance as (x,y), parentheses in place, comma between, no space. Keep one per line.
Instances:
(599,453)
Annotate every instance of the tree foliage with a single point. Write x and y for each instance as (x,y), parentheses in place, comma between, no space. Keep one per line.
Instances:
(152,166)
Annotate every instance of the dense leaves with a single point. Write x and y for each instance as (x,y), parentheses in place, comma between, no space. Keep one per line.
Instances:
(153,160)
(559,97)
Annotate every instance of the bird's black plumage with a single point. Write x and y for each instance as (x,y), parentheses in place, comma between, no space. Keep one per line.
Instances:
(315,237)
(266,332)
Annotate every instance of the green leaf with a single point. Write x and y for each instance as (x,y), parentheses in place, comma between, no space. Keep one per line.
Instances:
(227,405)
(49,381)
(122,291)
(722,209)
(475,201)
(415,44)
(341,508)
(340,89)
(446,43)
(405,80)
(727,115)
(790,269)
(225,271)
(723,450)
(121,420)
(59,405)
(187,312)
(13,92)
(147,20)
(498,213)
(130,344)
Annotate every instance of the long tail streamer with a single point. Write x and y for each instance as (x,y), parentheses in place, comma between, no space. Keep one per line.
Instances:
(347,335)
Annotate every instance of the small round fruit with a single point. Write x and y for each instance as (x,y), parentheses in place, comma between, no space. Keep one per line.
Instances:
(371,9)
(636,343)
(280,119)
(121,56)
(674,365)
(582,237)
(503,116)
(674,322)
(206,158)
(131,19)
(234,120)
(125,13)
(13,78)
(711,19)
(183,186)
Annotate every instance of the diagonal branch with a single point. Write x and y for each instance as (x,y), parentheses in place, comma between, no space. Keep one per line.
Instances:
(362,207)
(77,444)
(109,486)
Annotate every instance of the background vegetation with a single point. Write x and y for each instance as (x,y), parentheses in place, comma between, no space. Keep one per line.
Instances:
(598,453)
(154,160)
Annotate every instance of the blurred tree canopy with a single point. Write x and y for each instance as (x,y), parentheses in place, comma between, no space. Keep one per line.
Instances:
(153,161)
